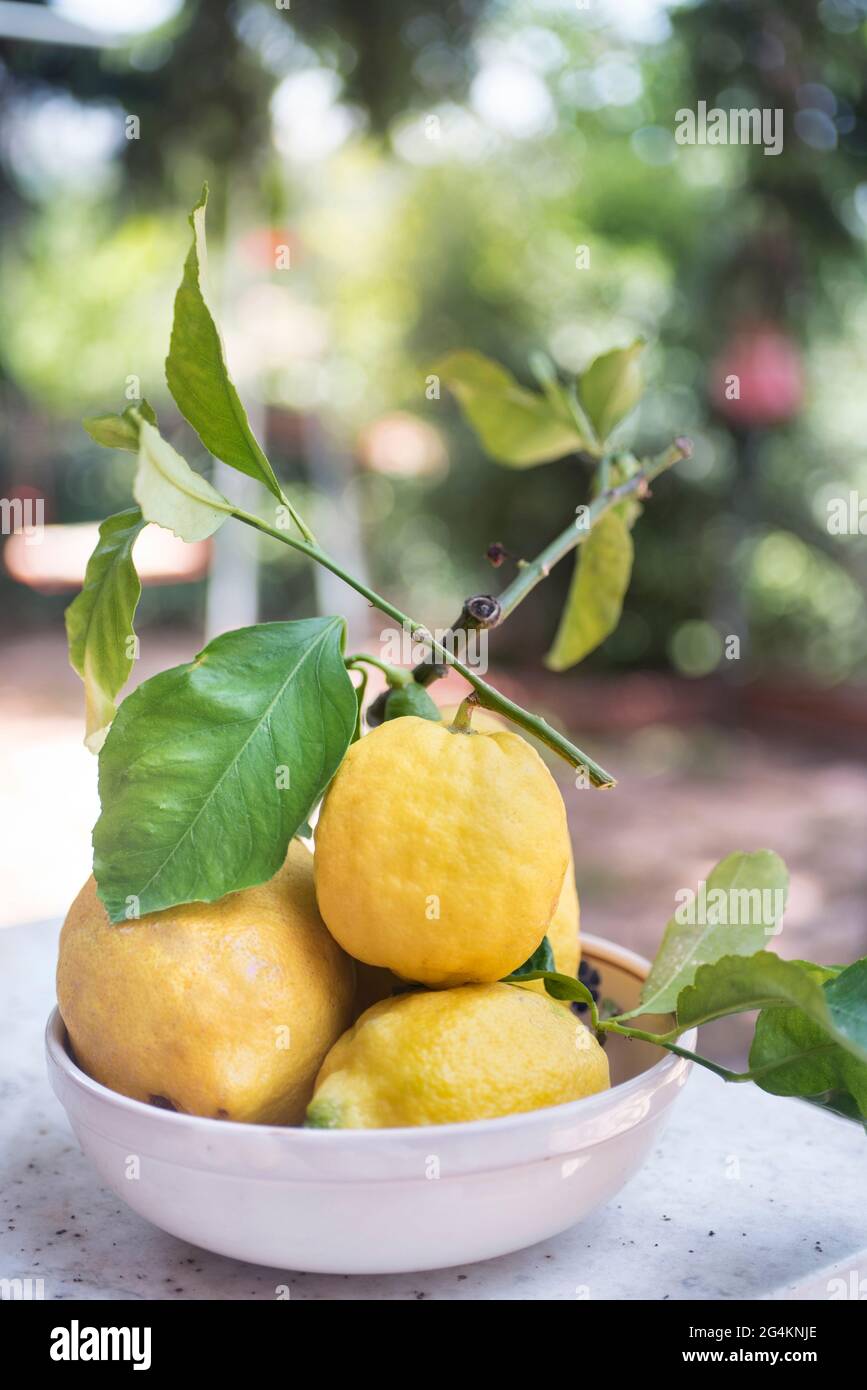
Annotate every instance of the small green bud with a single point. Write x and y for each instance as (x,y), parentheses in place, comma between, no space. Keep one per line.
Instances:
(411,699)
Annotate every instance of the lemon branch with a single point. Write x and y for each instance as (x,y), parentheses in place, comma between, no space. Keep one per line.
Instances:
(665,1040)
(487,696)
(486,611)
(607,1026)
(533,572)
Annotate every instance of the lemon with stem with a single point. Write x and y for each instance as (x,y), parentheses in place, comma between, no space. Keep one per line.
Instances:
(441,852)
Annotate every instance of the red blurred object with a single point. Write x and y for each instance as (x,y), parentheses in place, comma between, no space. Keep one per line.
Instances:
(29,497)
(264,247)
(763,365)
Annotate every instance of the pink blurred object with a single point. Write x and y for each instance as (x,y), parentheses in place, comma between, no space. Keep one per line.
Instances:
(270,247)
(54,558)
(402,445)
(763,366)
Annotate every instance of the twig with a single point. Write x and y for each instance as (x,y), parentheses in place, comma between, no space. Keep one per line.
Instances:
(485,611)
(488,696)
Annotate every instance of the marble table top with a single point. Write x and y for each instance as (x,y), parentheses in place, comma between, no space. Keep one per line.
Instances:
(745,1197)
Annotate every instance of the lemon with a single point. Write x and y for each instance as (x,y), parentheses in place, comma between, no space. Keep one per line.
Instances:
(223,1009)
(440,855)
(373,983)
(565,925)
(442,1056)
(564,928)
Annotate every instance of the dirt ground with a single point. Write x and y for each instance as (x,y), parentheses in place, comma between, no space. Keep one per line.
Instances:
(687,795)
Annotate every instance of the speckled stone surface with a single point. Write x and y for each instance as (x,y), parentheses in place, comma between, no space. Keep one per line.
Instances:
(745,1197)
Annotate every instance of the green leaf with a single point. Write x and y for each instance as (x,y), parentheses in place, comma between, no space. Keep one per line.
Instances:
(565,987)
(603,566)
(569,988)
(171,494)
(735,916)
(798,1057)
(99,622)
(837,1101)
(801,1048)
(411,698)
(539,963)
(611,387)
(737,984)
(515,426)
(210,768)
(846,995)
(563,400)
(120,431)
(198,376)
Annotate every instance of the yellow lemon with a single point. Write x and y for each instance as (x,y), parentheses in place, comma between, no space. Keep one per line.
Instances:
(223,1009)
(442,1056)
(440,855)
(564,928)
(565,925)
(373,983)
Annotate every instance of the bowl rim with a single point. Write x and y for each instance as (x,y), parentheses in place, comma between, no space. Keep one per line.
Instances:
(601,949)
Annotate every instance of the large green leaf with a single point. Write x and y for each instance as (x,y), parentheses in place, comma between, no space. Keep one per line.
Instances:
(99,622)
(171,494)
(515,426)
(735,916)
(198,376)
(210,768)
(603,565)
(611,387)
(811,1033)
(737,984)
(796,1056)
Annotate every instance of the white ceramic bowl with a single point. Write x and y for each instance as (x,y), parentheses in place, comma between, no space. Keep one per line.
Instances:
(386,1200)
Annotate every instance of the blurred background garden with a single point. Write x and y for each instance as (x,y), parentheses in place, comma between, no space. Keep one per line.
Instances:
(393,180)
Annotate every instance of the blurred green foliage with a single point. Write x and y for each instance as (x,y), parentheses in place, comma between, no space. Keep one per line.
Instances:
(439,175)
